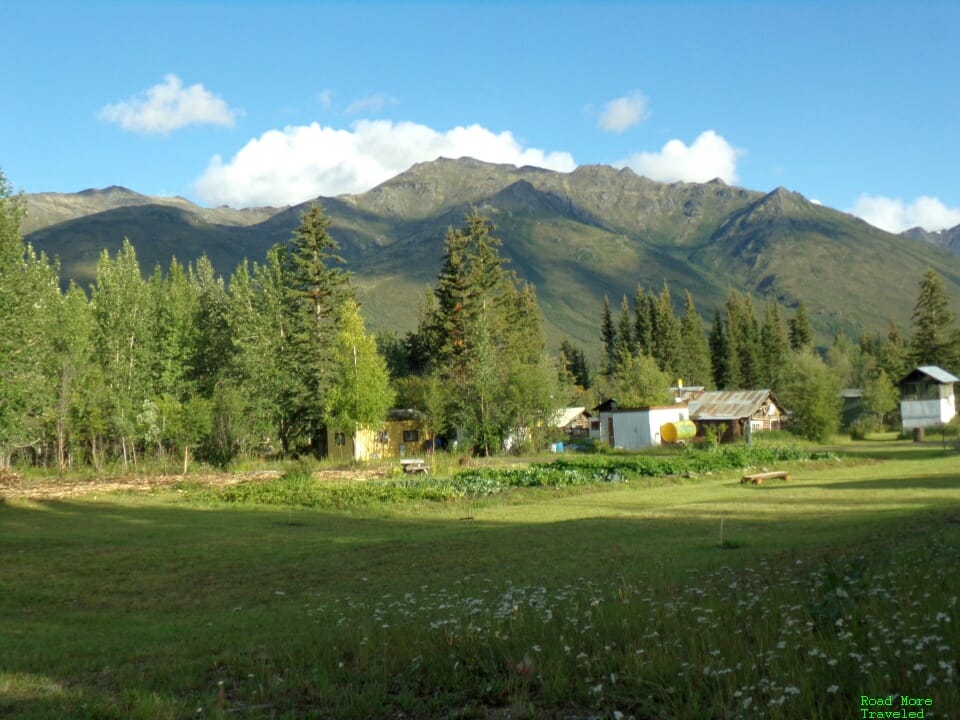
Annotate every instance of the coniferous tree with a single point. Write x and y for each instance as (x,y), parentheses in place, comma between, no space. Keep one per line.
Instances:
(575,364)
(665,334)
(608,337)
(643,322)
(488,353)
(747,336)
(624,346)
(894,356)
(694,366)
(800,331)
(774,346)
(719,352)
(935,341)
(316,287)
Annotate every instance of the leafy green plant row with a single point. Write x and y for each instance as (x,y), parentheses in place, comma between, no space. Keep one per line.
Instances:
(695,460)
(299,489)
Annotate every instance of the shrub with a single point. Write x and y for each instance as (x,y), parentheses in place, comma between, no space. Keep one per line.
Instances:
(863,425)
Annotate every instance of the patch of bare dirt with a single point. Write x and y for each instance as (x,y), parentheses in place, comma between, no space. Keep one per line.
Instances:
(13,485)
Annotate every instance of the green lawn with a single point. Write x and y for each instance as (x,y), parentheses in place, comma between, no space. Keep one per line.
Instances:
(601,601)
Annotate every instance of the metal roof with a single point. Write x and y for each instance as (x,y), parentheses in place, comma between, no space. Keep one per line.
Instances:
(728,404)
(566,416)
(936,373)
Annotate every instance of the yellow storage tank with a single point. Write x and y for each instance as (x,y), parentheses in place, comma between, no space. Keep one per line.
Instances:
(678,431)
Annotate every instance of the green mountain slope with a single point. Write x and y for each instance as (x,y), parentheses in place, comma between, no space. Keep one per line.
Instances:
(576,236)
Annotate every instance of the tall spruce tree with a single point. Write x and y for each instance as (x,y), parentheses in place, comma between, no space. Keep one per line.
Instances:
(694,362)
(643,322)
(485,328)
(774,347)
(316,287)
(624,346)
(608,339)
(575,363)
(935,341)
(665,333)
(800,330)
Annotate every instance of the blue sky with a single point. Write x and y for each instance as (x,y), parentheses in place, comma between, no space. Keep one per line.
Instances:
(853,104)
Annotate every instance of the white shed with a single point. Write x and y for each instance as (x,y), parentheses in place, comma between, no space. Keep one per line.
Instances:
(927,397)
(637,428)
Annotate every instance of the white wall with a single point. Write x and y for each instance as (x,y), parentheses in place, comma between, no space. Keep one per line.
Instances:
(922,413)
(639,429)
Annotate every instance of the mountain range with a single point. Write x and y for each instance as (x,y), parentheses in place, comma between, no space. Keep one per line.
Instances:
(579,236)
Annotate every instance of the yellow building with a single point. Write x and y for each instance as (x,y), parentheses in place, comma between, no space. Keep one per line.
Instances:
(403,434)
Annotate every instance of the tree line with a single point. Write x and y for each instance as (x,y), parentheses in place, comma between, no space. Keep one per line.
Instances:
(647,347)
(182,362)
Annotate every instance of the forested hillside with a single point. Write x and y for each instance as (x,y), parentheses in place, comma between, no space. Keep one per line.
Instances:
(183,362)
(575,236)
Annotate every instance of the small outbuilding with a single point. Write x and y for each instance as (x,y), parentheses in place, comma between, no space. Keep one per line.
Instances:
(927,397)
(636,428)
(573,421)
(734,413)
(403,433)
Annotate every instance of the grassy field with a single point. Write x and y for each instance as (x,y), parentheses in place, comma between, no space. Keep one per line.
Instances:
(683,597)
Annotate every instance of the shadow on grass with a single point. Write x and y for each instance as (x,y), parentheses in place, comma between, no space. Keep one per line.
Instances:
(943,481)
(896,450)
(130,607)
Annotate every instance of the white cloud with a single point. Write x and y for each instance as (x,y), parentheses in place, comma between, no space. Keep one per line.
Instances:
(710,156)
(894,215)
(169,106)
(284,167)
(624,112)
(373,103)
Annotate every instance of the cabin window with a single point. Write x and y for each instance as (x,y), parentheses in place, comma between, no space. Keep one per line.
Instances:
(411,436)
(920,391)
(340,439)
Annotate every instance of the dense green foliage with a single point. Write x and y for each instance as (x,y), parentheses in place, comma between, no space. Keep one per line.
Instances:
(480,339)
(935,340)
(183,364)
(298,488)
(741,352)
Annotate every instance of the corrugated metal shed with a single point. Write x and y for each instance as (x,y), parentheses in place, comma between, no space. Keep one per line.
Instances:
(728,404)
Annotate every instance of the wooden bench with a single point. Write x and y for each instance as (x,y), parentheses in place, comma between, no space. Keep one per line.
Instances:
(758,478)
(414,465)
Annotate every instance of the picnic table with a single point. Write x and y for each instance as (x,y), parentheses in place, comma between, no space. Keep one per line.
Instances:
(414,465)
(758,478)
